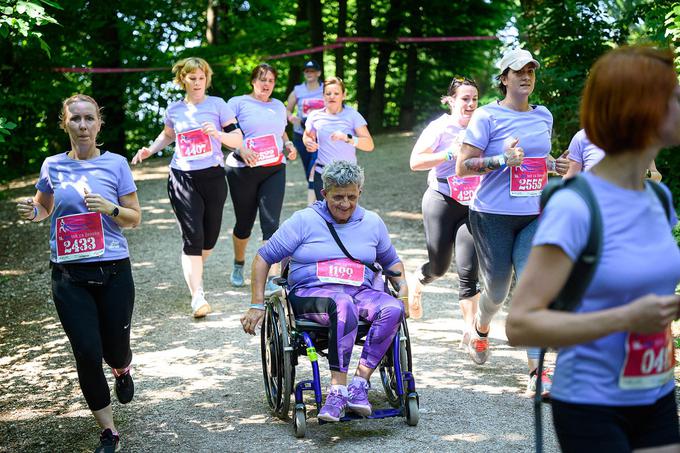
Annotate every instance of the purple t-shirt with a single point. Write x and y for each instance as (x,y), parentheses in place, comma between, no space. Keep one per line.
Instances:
(492,127)
(581,150)
(192,147)
(639,256)
(258,119)
(305,238)
(440,135)
(324,124)
(108,175)
(306,101)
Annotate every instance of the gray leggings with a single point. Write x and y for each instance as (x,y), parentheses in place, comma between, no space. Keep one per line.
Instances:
(502,242)
(446,226)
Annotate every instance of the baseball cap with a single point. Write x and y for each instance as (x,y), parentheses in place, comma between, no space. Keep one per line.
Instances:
(515,59)
(311,64)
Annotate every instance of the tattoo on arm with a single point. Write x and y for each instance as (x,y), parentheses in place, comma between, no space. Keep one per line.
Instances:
(482,165)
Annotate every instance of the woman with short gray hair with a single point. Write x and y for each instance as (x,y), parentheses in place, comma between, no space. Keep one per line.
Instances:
(329,287)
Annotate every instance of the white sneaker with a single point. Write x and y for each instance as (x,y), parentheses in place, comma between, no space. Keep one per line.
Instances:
(199,305)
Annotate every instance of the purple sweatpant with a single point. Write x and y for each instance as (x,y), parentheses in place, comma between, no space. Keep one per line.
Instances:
(340,307)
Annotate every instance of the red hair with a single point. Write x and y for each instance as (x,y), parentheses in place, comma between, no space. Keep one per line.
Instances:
(626,96)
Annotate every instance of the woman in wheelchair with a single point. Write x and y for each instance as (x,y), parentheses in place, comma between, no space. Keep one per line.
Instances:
(335,288)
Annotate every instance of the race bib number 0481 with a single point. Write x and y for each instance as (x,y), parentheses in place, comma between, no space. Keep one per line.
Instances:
(649,362)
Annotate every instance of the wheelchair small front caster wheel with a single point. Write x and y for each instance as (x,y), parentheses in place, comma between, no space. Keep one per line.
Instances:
(412,411)
(300,421)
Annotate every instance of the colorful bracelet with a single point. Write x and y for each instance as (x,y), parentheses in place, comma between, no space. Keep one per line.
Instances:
(355,141)
(257,306)
(35,214)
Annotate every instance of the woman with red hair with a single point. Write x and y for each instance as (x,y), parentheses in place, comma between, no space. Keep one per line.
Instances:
(613,387)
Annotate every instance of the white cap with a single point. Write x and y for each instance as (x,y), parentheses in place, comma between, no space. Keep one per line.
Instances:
(515,59)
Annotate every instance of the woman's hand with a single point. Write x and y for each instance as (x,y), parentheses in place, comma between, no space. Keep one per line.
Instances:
(209,128)
(292,151)
(97,203)
(309,139)
(652,313)
(27,209)
(251,320)
(248,156)
(561,164)
(337,135)
(514,155)
(142,154)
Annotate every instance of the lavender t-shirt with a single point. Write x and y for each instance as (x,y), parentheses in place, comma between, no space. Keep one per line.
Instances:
(581,150)
(440,135)
(258,118)
(491,129)
(108,175)
(305,238)
(305,97)
(324,124)
(639,257)
(183,117)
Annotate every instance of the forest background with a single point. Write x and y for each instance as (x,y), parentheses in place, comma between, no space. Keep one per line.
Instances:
(396,85)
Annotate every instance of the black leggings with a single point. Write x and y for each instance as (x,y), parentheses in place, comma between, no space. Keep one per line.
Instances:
(584,428)
(94,302)
(318,184)
(446,225)
(197,198)
(257,188)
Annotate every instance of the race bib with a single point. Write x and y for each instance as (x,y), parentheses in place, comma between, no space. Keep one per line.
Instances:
(194,144)
(343,271)
(265,149)
(463,189)
(79,236)
(528,179)
(649,362)
(311,104)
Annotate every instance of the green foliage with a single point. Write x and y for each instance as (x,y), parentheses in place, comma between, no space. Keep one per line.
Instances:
(19,20)
(5,127)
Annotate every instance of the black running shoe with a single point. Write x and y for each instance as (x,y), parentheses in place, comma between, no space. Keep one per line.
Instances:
(108,442)
(125,387)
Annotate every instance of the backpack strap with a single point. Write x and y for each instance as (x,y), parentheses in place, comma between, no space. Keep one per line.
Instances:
(334,233)
(569,298)
(662,196)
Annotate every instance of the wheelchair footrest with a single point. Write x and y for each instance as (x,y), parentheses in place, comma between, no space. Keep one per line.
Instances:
(377,414)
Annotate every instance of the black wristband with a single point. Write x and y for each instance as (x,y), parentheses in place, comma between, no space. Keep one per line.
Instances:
(231,127)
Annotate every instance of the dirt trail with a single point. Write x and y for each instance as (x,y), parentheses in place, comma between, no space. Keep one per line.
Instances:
(199,383)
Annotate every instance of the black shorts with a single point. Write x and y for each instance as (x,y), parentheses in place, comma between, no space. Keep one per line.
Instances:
(584,428)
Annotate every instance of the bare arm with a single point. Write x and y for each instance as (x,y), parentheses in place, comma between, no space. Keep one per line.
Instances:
(574,169)
(399,283)
(471,163)
(424,157)
(289,146)
(258,277)
(530,323)
(37,208)
(166,137)
(309,140)
(365,142)
(653,173)
(291,103)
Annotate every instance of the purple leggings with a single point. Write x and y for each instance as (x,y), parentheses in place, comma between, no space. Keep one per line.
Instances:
(340,307)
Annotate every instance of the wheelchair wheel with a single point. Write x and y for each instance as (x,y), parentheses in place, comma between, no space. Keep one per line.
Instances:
(387,374)
(412,410)
(300,421)
(277,367)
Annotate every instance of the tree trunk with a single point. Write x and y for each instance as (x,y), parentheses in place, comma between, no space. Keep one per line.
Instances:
(216,16)
(109,89)
(294,70)
(342,31)
(407,114)
(377,104)
(363,77)
(316,29)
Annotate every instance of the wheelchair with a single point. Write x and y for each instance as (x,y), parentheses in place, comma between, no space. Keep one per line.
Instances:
(284,339)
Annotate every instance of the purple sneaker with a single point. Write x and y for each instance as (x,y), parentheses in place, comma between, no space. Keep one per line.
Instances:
(357,400)
(336,401)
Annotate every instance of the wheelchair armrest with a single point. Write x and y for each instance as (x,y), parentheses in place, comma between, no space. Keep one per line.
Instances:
(389,273)
(281,281)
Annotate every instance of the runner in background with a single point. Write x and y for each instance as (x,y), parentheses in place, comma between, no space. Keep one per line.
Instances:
(256,171)
(196,185)
(614,387)
(583,155)
(507,142)
(305,98)
(445,203)
(90,195)
(335,132)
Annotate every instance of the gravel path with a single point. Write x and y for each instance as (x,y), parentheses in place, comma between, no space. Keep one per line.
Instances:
(199,383)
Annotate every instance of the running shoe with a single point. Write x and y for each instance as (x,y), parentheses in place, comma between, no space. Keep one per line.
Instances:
(336,401)
(415,298)
(271,288)
(237,276)
(546,383)
(357,399)
(465,341)
(199,305)
(108,442)
(478,348)
(125,386)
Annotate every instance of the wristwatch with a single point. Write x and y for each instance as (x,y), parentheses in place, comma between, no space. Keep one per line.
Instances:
(115,212)
(349,138)
(648,173)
